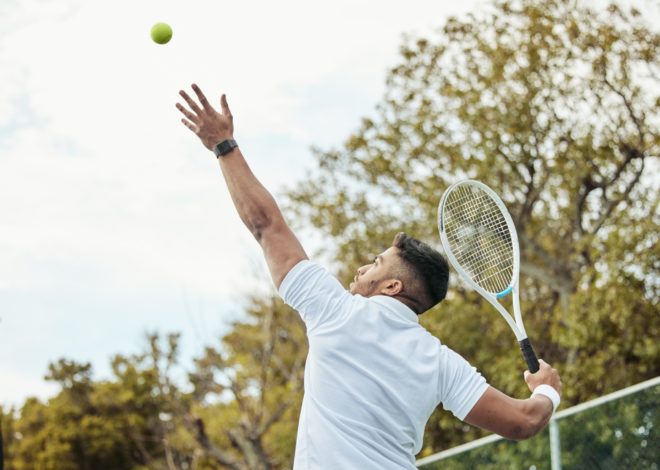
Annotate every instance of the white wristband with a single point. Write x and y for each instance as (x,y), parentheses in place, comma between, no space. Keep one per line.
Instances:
(547,391)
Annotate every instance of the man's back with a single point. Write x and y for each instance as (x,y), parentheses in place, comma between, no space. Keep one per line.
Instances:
(373,376)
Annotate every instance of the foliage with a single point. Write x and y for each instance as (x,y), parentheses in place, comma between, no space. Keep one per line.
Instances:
(129,422)
(239,409)
(555,105)
(613,435)
(619,434)
(249,390)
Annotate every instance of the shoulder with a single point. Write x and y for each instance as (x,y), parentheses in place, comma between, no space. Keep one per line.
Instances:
(303,273)
(316,294)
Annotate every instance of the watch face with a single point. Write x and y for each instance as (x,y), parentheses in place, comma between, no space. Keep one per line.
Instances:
(224,147)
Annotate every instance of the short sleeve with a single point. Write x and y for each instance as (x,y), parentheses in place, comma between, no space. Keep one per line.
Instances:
(460,384)
(315,293)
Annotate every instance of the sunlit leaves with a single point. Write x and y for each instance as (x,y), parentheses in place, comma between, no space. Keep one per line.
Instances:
(553,104)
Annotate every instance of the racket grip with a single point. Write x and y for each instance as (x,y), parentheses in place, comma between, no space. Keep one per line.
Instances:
(529,355)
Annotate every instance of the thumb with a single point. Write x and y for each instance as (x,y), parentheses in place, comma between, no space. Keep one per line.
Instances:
(526,374)
(224,106)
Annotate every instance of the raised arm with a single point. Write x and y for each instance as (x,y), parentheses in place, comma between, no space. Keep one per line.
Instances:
(517,419)
(255,205)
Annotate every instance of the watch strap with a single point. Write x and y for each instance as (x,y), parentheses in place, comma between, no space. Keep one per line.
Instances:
(224,147)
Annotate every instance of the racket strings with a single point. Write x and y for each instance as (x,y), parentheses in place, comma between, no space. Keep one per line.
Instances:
(479,237)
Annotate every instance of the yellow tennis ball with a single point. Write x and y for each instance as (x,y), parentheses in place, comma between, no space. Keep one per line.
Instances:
(161,33)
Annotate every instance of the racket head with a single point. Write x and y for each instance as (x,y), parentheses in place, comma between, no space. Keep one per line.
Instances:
(479,237)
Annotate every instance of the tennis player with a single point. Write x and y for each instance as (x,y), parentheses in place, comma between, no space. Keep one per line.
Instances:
(373,374)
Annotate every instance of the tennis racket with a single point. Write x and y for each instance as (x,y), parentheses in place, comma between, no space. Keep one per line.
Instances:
(481,243)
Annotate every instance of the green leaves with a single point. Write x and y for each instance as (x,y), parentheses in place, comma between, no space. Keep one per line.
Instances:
(554,105)
(127,422)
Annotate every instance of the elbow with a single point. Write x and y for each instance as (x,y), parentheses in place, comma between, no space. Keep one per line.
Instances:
(257,233)
(523,431)
(528,425)
(258,226)
(520,432)
(265,226)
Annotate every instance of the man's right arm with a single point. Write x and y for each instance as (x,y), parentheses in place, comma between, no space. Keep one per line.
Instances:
(261,215)
(255,205)
(512,418)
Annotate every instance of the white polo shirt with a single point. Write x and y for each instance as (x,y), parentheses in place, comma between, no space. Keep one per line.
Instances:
(373,377)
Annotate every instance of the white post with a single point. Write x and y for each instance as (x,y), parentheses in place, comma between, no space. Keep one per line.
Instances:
(555,447)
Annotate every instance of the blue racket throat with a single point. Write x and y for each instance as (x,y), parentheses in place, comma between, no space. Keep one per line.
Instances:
(504,293)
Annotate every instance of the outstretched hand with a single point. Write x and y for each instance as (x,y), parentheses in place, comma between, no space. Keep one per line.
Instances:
(208,124)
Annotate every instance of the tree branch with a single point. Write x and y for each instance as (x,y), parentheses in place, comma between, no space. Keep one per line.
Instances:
(614,203)
(146,456)
(218,455)
(266,357)
(626,102)
(251,449)
(245,409)
(555,282)
(168,455)
(557,276)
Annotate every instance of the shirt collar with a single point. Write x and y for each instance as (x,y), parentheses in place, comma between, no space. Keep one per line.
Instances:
(397,307)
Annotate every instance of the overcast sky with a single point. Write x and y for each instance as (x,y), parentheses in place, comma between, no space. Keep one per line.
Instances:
(114,220)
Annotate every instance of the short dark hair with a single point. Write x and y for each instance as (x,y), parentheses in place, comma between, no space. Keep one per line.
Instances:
(428,266)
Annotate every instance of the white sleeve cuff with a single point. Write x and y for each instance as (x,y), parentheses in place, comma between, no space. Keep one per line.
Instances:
(547,391)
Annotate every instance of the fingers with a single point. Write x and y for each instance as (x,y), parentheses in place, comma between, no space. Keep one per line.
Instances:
(190,125)
(190,102)
(224,106)
(192,117)
(205,121)
(202,98)
(542,365)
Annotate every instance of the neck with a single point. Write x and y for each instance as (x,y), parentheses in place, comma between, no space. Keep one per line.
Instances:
(411,303)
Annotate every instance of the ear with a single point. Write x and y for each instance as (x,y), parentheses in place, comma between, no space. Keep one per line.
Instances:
(392,287)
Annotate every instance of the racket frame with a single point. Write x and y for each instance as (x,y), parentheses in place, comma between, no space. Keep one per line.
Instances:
(514,322)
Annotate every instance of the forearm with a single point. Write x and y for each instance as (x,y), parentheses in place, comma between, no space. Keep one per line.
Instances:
(519,419)
(526,418)
(509,417)
(255,205)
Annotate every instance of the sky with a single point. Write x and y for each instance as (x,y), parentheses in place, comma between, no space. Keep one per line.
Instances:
(114,220)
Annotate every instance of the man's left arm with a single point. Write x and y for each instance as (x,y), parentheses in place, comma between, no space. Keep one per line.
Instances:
(517,419)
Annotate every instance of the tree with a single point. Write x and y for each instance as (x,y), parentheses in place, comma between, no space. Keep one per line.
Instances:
(2,440)
(249,389)
(237,409)
(555,105)
(56,435)
(131,422)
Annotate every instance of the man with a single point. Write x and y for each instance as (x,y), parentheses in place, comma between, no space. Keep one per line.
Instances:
(373,375)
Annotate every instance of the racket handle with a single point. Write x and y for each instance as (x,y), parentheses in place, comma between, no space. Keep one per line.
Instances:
(529,355)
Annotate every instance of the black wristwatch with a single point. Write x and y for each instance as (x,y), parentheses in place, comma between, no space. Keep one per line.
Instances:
(224,147)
